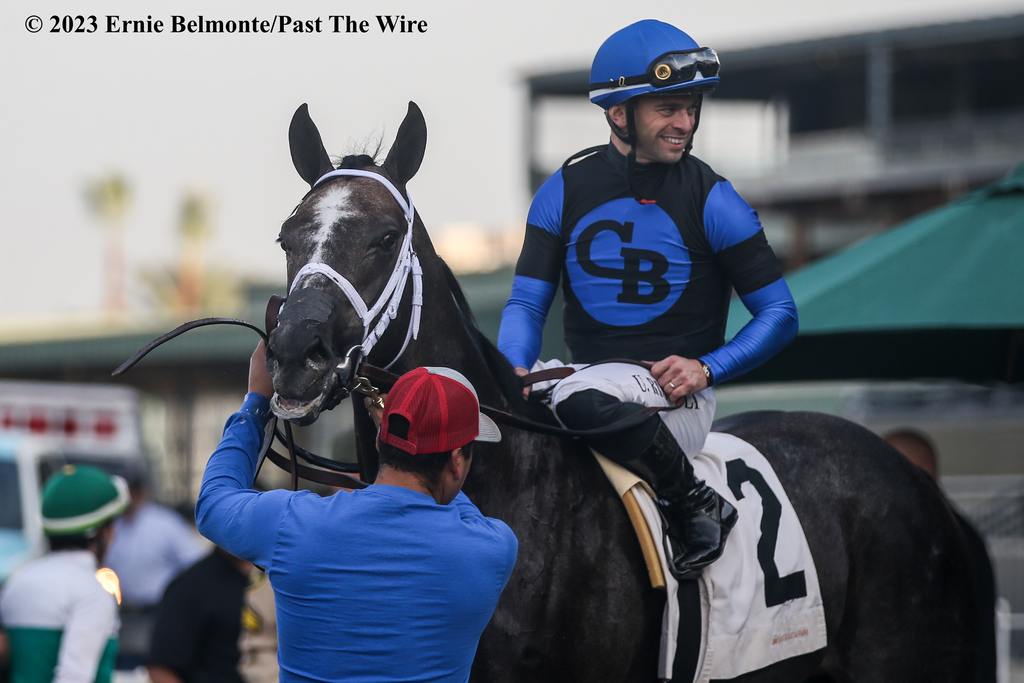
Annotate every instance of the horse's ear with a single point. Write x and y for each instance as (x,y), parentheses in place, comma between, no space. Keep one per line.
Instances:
(308,153)
(406,154)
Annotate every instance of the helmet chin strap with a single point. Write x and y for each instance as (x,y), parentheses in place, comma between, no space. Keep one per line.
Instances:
(629,136)
(696,123)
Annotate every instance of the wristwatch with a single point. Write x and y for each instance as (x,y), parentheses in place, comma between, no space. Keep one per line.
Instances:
(710,376)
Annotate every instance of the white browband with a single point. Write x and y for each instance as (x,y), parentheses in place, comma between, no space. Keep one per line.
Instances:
(391,296)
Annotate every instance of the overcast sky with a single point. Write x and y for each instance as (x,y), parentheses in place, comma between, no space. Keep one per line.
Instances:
(208,112)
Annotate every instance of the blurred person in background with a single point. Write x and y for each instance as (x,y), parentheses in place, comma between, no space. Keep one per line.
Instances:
(920,450)
(61,622)
(651,242)
(917,448)
(151,546)
(258,642)
(197,627)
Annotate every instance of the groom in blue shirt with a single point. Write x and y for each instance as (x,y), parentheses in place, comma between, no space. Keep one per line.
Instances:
(394,582)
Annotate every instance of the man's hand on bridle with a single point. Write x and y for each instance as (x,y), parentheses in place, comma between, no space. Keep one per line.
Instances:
(375,411)
(259,376)
(679,377)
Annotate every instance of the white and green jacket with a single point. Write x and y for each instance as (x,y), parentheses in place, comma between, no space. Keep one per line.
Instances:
(62,625)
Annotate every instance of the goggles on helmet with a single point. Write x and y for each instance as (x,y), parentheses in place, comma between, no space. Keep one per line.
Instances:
(682,67)
(672,68)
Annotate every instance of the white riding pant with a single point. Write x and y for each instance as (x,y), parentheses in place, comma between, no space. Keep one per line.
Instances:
(689,423)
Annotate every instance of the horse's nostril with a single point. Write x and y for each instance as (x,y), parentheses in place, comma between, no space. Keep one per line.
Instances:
(317,354)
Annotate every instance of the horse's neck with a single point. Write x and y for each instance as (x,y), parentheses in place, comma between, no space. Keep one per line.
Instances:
(445,337)
(446,340)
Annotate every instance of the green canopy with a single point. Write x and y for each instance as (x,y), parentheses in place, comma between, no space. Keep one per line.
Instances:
(940,296)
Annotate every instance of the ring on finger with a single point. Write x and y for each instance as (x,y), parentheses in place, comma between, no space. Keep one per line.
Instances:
(671,385)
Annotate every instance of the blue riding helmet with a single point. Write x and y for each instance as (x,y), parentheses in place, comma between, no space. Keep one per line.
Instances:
(650,56)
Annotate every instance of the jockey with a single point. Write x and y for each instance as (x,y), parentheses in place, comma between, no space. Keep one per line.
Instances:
(61,622)
(651,241)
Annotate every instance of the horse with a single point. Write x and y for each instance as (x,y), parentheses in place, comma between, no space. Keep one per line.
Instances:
(892,561)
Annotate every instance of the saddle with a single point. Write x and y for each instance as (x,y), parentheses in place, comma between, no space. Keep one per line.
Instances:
(637,497)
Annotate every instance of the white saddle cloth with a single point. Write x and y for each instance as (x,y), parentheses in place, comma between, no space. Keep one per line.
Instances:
(760,601)
(755,616)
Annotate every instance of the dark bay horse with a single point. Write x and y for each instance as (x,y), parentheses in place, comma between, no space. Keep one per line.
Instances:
(892,562)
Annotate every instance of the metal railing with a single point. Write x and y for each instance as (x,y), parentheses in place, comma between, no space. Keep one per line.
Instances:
(995,505)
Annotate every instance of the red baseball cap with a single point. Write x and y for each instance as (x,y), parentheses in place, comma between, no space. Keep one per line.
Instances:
(442,411)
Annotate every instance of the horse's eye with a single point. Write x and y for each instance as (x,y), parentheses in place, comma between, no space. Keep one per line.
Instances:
(388,241)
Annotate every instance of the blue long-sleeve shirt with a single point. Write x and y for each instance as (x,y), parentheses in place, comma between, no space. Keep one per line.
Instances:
(382,584)
(646,278)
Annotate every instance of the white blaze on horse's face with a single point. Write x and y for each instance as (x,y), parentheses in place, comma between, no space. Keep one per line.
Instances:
(332,207)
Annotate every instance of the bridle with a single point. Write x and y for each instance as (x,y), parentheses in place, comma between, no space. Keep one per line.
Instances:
(407,264)
(354,374)
(383,310)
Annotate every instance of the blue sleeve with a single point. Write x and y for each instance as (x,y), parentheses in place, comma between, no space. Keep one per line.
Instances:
(728,219)
(738,242)
(546,208)
(501,532)
(537,273)
(522,320)
(773,326)
(229,511)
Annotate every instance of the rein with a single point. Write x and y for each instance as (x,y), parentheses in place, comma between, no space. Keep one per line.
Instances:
(325,470)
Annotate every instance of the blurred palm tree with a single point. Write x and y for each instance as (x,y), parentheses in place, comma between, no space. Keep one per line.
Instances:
(108,197)
(194,230)
(190,288)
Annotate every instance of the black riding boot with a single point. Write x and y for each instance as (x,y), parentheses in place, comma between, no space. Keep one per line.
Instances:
(698,519)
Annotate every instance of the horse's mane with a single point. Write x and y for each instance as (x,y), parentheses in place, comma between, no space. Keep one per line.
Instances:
(501,370)
(369,156)
(358,160)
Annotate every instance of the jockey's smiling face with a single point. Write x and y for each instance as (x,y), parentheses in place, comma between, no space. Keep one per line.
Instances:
(664,125)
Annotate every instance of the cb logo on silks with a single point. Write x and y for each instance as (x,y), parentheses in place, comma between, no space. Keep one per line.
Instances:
(626,262)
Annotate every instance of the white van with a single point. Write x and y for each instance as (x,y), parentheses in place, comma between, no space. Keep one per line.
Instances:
(45,425)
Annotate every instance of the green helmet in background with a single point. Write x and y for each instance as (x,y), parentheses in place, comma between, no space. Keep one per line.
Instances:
(80,499)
